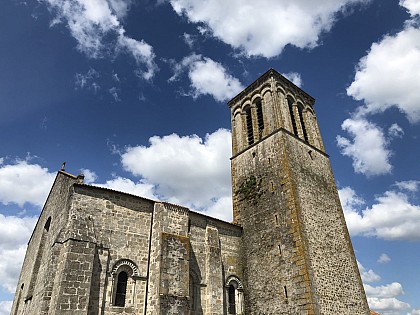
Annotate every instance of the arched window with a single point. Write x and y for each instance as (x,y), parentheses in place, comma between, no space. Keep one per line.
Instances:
(121,289)
(250,132)
(124,275)
(235,296)
(260,116)
(292,115)
(302,121)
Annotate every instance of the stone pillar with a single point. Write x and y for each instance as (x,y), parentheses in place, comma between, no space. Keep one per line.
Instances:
(269,112)
(214,281)
(169,271)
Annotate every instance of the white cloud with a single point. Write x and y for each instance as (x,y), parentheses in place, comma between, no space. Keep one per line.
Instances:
(15,231)
(90,176)
(140,188)
(395,131)
(188,39)
(368,276)
(120,7)
(388,75)
(263,27)
(34,183)
(408,185)
(5,307)
(14,235)
(383,259)
(388,306)
(414,312)
(187,170)
(207,77)
(295,78)
(392,217)
(97,29)
(413,6)
(221,209)
(384,291)
(367,148)
(382,298)
(87,80)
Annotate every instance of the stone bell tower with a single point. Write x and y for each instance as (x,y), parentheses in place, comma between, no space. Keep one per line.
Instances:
(297,253)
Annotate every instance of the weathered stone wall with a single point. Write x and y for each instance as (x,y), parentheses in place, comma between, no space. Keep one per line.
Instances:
(118,226)
(215,256)
(334,274)
(35,285)
(296,245)
(274,259)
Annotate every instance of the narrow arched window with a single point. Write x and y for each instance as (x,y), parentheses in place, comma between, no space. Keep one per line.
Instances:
(250,132)
(292,115)
(121,289)
(234,296)
(47,224)
(302,122)
(260,116)
(231,299)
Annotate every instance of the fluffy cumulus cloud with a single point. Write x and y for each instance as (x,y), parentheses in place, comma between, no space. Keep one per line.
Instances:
(382,298)
(388,75)
(384,291)
(367,147)
(34,182)
(295,78)
(388,306)
(96,26)
(194,170)
(139,188)
(207,77)
(90,176)
(395,131)
(391,217)
(413,6)
(14,235)
(264,27)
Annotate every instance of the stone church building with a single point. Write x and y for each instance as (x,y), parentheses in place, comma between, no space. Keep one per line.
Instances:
(287,251)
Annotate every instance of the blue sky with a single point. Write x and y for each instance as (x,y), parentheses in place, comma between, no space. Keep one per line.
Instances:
(133,94)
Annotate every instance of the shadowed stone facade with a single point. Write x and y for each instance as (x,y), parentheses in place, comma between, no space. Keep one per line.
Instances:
(99,251)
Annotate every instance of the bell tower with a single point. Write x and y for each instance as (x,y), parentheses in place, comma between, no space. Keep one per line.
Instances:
(297,253)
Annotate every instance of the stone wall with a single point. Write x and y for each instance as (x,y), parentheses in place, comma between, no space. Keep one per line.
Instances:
(118,225)
(35,286)
(297,250)
(336,283)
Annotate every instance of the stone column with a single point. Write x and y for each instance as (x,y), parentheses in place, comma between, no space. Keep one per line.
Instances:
(214,281)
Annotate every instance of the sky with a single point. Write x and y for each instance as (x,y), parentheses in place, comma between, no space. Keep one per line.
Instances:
(132,93)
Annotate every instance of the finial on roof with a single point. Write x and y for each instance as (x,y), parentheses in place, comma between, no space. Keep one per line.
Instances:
(63,167)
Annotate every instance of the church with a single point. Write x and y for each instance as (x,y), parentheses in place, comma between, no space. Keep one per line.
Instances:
(288,251)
